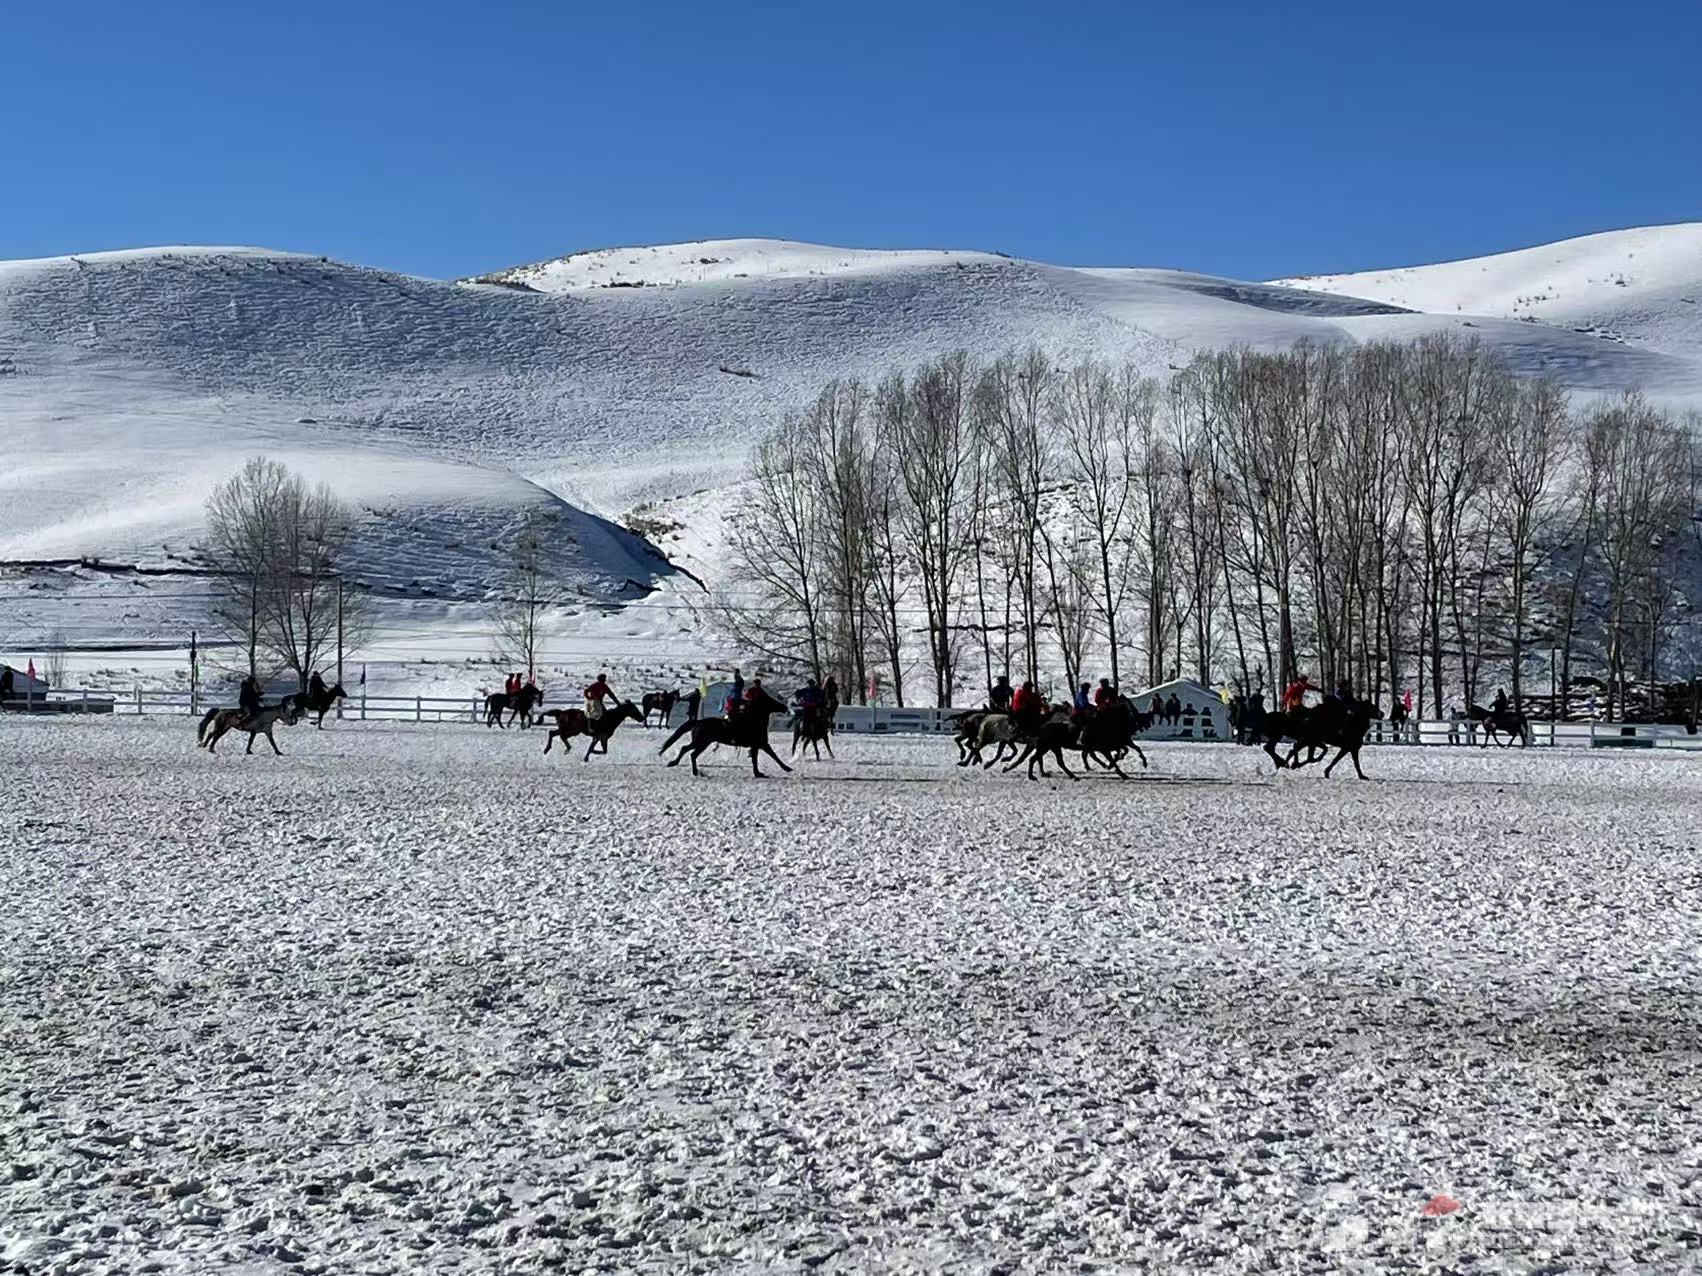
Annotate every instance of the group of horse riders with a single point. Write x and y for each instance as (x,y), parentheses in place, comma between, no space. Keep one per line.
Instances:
(248,694)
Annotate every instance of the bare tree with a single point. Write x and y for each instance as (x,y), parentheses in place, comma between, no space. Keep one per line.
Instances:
(244,514)
(309,613)
(777,565)
(1639,457)
(530,589)
(933,444)
(280,548)
(839,460)
(1011,396)
(1102,418)
(1531,436)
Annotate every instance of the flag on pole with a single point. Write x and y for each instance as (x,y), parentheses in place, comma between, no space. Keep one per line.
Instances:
(363,675)
(30,672)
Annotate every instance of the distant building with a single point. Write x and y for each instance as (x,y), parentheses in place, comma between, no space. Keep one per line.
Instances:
(23,686)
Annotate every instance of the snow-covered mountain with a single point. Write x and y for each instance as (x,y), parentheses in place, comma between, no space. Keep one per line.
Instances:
(1642,285)
(636,378)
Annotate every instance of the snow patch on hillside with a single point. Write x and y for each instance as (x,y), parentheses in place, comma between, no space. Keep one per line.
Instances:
(1642,285)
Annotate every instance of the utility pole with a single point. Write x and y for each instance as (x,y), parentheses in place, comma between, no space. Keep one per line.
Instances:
(339,682)
(339,629)
(194,675)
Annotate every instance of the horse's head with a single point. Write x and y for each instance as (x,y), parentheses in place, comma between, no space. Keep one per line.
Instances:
(628,709)
(337,692)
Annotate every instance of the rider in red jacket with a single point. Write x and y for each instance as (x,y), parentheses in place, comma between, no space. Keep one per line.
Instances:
(1295,696)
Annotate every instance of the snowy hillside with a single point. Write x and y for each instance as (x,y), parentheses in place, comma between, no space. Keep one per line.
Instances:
(633,380)
(1642,285)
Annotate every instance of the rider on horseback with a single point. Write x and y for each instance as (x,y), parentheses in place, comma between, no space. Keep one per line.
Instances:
(595,695)
(1105,696)
(1000,693)
(248,697)
(315,687)
(808,701)
(1501,702)
(1295,697)
(1028,706)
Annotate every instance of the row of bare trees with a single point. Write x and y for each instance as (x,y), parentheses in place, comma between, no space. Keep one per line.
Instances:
(277,546)
(1394,516)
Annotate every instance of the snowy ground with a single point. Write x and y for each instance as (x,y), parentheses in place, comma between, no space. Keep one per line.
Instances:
(419,998)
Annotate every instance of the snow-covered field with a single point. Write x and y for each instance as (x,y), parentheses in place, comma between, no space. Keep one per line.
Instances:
(420,998)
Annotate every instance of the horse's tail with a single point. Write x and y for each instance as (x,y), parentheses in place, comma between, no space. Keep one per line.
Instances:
(206,721)
(678,732)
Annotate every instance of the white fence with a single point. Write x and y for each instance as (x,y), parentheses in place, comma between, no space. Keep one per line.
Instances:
(854,719)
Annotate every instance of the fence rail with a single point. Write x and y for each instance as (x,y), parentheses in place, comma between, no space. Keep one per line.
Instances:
(852,719)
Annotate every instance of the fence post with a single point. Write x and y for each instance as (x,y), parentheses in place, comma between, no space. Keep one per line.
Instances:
(138,702)
(84,708)
(418,717)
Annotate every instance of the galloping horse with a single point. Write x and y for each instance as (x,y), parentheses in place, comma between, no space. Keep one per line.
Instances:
(306,702)
(216,722)
(522,703)
(661,702)
(747,731)
(1331,725)
(574,722)
(813,727)
(1104,736)
(1508,722)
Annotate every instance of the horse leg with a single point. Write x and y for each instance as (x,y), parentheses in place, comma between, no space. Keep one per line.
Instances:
(270,741)
(1139,754)
(250,748)
(1271,748)
(550,739)
(1340,754)
(1064,766)
(771,753)
(1354,754)
(828,741)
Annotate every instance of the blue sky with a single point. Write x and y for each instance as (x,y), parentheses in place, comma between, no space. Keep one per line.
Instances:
(1246,139)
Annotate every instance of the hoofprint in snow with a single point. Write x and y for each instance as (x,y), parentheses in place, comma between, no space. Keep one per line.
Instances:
(411,998)
(628,384)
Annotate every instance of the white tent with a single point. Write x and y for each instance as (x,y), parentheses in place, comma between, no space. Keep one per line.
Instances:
(1204,715)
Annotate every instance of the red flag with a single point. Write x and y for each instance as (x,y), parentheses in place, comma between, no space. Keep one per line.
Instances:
(30,672)
(1439,1205)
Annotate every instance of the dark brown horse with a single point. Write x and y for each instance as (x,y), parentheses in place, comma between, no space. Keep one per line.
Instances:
(1332,725)
(812,727)
(576,722)
(1505,722)
(522,702)
(320,704)
(749,730)
(1102,736)
(661,702)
